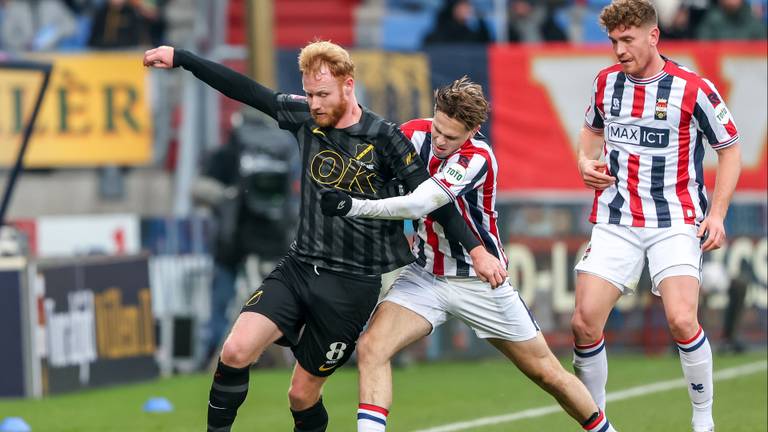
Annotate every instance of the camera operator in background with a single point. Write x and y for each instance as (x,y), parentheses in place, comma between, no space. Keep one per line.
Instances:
(248,184)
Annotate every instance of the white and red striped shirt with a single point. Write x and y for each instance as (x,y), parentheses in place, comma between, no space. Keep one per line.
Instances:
(654,130)
(469,178)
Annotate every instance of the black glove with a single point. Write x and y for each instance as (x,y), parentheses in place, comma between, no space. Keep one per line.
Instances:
(334,202)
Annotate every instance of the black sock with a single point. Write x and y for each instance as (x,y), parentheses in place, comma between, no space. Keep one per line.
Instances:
(313,419)
(228,391)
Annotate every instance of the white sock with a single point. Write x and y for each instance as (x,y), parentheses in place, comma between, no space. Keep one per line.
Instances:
(590,362)
(696,359)
(371,418)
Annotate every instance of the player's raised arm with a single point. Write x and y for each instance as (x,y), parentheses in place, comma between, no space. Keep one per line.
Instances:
(229,82)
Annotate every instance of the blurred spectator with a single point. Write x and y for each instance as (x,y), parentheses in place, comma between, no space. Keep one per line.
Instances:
(533,21)
(731,20)
(457,23)
(35,24)
(126,24)
(247,185)
(179,16)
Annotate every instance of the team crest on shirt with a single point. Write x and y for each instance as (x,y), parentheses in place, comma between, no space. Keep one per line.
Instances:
(661,109)
(455,173)
(714,98)
(364,154)
(616,103)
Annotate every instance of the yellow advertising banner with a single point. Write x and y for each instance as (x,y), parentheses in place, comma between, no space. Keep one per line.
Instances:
(95,112)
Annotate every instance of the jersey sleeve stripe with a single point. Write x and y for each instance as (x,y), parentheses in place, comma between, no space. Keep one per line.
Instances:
(445,188)
(725,144)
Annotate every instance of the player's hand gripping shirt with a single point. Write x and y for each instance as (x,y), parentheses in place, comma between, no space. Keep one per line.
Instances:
(654,131)
(468,177)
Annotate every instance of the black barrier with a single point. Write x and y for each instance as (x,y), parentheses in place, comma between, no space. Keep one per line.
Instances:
(98,324)
(12,365)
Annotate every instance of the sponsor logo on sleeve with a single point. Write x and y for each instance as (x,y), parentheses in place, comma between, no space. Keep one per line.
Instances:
(454,174)
(721,114)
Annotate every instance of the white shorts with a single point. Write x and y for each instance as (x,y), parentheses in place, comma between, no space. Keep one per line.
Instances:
(617,253)
(491,313)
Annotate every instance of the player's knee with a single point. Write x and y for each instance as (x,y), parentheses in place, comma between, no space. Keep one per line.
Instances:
(683,326)
(548,376)
(237,354)
(302,395)
(367,352)
(583,330)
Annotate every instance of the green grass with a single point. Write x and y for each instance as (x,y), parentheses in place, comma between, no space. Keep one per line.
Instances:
(425,395)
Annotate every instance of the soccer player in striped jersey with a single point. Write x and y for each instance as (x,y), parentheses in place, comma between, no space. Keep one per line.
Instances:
(641,150)
(321,295)
(443,280)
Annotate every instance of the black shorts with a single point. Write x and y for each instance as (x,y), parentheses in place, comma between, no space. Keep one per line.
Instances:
(320,312)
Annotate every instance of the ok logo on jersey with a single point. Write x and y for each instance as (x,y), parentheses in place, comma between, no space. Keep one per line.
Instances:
(343,172)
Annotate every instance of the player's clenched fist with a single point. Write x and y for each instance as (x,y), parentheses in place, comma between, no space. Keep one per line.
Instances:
(160,57)
(334,202)
(594,174)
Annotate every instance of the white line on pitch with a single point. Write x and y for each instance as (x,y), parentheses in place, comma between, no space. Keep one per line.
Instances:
(724,374)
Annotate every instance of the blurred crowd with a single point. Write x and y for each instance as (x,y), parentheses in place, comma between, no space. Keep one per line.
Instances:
(41,25)
(466,21)
(44,25)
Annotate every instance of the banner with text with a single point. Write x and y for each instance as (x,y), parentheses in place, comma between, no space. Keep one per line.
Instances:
(95,112)
(98,322)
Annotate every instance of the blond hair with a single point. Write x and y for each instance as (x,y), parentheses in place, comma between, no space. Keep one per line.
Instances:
(628,13)
(463,100)
(319,53)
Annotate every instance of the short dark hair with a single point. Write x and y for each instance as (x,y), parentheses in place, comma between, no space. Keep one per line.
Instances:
(463,100)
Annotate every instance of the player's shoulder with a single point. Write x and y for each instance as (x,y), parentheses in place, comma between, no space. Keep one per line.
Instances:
(688,75)
(417,125)
(604,72)
(480,146)
(477,150)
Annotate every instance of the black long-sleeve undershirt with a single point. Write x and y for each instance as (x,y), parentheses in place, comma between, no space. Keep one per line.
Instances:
(229,82)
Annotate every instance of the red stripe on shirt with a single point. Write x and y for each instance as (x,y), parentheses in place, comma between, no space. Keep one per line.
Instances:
(438,261)
(416,125)
(638,102)
(684,138)
(635,203)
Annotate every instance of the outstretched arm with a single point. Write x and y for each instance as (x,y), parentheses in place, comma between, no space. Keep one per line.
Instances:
(427,197)
(229,82)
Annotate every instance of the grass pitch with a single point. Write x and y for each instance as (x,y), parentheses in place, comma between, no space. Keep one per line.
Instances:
(426,395)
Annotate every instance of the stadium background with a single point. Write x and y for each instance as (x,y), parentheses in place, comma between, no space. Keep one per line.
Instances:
(106,277)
